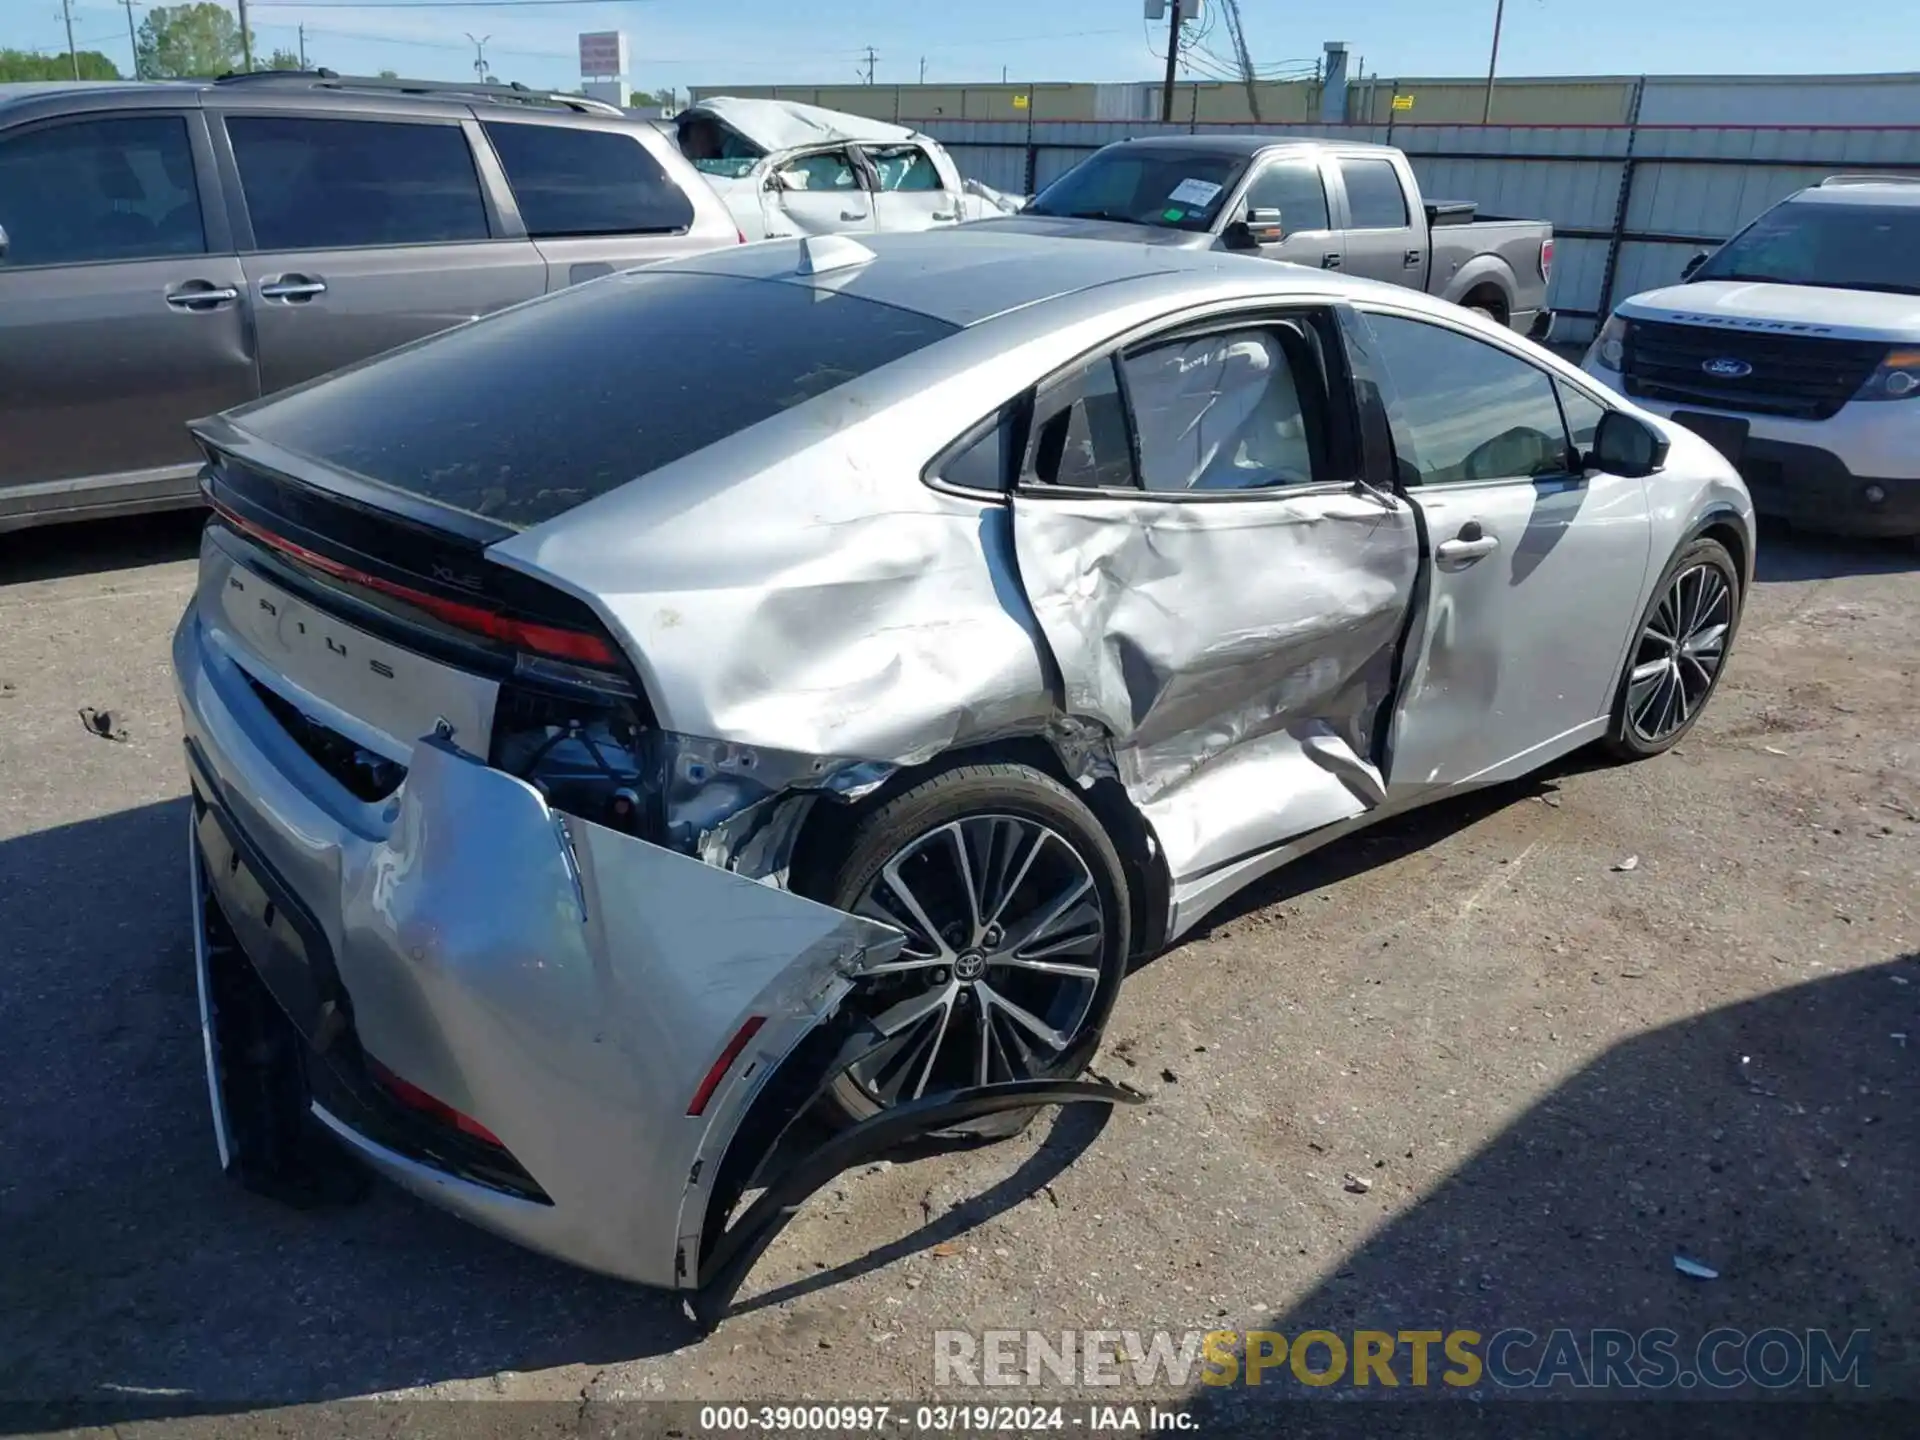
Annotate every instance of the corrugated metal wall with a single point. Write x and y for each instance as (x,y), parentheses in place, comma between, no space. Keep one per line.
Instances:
(1630,203)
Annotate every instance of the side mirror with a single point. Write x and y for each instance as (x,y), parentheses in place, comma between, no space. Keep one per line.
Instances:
(1266,227)
(1694,262)
(781,180)
(1238,236)
(1627,446)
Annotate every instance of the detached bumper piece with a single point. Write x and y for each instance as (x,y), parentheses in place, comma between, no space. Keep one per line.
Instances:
(730,1251)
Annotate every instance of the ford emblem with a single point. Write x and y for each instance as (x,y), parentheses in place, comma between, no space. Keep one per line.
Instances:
(1728,368)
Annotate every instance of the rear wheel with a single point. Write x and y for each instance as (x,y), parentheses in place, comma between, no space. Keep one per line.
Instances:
(1015,908)
(1678,653)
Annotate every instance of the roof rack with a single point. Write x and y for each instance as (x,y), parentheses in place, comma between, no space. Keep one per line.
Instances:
(510,93)
(1834,180)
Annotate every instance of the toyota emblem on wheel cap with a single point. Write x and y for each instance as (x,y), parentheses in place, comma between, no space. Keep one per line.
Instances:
(1728,368)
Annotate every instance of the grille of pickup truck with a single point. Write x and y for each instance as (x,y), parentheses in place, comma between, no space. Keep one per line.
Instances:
(1806,377)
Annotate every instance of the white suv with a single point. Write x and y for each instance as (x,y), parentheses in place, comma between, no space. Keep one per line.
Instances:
(1791,348)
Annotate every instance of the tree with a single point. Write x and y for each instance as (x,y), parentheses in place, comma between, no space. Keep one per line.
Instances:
(284,60)
(389,74)
(25,65)
(666,100)
(188,41)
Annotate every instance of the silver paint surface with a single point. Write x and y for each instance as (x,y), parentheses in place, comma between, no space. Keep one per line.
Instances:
(811,610)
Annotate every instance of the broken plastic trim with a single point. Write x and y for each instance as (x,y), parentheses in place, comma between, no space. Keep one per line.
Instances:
(735,1253)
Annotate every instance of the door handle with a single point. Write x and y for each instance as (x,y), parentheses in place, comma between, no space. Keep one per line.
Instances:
(1471,545)
(292,287)
(946,215)
(201,295)
(1330,261)
(1413,257)
(853,214)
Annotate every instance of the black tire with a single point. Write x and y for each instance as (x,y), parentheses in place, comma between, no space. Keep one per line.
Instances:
(1628,738)
(849,876)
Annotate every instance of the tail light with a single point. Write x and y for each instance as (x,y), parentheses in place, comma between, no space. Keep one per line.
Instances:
(414,1098)
(698,1105)
(1546,259)
(739,234)
(555,642)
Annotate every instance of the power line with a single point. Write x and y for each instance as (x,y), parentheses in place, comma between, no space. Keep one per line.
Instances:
(870,59)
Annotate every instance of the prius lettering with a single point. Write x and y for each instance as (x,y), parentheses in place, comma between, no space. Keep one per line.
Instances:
(335,646)
(268,606)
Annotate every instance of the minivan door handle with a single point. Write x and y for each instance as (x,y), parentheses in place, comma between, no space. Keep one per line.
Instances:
(292,287)
(201,295)
(1470,545)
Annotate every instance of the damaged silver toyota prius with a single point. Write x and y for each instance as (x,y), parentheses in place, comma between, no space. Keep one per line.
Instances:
(796,681)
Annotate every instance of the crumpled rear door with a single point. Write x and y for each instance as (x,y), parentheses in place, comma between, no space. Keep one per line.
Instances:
(1237,644)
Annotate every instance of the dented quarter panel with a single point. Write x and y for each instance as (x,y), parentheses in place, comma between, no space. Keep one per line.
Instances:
(568,989)
(1237,651)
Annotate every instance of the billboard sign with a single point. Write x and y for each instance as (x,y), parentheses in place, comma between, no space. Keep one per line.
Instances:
(603,54)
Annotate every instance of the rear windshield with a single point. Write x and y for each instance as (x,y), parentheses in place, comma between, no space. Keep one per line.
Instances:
(1144,185)
(534,411)
(1845,246)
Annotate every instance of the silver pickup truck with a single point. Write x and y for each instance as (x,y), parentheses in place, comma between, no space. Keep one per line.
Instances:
(1330,204)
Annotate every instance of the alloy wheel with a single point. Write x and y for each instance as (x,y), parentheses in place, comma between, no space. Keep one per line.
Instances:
(1680,652)
(1006,932)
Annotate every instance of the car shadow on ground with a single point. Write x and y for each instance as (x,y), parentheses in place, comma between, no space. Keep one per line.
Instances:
(97,547)
(134,1275)
(1775,1140)
(1784,555)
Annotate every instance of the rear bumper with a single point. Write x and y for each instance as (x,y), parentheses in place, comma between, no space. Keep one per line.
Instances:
(1536,325)
(565,985)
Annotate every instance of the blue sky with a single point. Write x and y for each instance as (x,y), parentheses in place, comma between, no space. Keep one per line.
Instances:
(709,42)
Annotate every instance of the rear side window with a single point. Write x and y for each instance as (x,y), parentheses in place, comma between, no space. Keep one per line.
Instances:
(335,184)
(528,413)
(100,190)
(904,167)
(1241,410)
(587,182)
(1085,443)
(1375,199)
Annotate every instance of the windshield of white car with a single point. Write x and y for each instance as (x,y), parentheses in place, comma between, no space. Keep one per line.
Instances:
(525,414)
(1839,246)
(1144,185)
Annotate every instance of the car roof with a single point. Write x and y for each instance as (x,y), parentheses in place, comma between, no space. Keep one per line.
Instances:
(303,87)
(964,276)
(1861,190)
(1239,143)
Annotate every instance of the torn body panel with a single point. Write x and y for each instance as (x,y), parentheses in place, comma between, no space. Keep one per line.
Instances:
(1238,653)
(566,986)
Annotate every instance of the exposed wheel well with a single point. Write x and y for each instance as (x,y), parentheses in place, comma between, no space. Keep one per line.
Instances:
(1729,535)
(821,841)
(1489,297)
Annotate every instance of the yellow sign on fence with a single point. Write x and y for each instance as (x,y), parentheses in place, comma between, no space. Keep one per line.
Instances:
(1403,102)
(1019,102)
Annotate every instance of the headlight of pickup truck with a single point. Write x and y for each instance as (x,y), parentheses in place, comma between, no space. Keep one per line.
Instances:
(1609,347)
(1897,378)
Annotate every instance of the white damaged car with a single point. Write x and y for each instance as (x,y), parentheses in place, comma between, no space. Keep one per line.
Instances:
(787,169)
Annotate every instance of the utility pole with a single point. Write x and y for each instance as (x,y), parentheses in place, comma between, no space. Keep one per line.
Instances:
(923,69)
(871,57)
(246,38)
(1173,60)
(73,55)
(133,42)
(1493,61)
(303,47)
(479,55)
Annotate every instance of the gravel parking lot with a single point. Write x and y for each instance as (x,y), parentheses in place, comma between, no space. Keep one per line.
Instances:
(1563,1030)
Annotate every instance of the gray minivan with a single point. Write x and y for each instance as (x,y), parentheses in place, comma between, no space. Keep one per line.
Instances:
(168,250)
